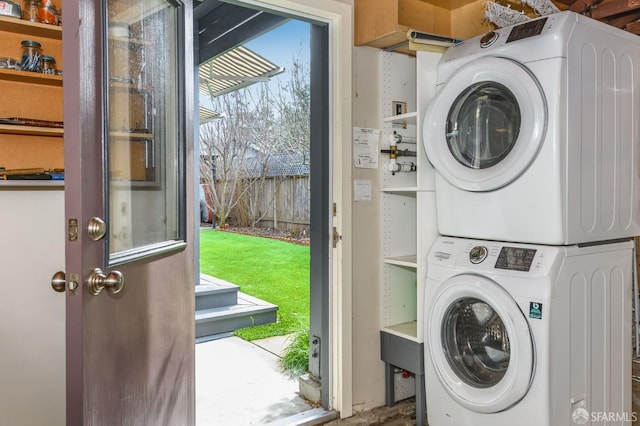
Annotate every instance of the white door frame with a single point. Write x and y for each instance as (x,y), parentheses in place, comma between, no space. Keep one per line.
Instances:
(339,17)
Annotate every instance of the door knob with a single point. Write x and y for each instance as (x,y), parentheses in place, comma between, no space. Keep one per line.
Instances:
(97,281)
(97,229)
(59,282)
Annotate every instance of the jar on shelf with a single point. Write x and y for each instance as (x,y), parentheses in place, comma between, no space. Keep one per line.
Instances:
(30,10)
(31,56)
(47,13)
(49,65)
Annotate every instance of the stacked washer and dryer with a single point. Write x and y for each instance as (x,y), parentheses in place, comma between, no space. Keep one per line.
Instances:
(534,134)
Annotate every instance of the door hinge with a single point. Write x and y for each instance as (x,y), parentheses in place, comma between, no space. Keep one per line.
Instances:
(335,209)
(336,237)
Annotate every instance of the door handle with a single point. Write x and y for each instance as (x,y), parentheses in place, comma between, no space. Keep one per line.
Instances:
(98,281)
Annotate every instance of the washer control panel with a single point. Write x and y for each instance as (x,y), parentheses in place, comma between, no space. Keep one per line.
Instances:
(482,256)
(515,258)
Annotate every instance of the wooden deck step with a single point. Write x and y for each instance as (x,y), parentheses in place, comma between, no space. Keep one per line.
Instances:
(221,309)
(214,292)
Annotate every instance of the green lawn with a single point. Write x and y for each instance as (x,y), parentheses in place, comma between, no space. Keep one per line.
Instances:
(268,269)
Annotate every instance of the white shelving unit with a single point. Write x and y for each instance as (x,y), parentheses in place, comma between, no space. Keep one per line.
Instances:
(407,218)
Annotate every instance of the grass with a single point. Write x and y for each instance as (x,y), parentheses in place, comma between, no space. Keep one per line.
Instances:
(271,270)
(295,359)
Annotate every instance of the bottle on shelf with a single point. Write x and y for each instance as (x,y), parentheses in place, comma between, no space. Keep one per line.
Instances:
(30,10)
(49,65)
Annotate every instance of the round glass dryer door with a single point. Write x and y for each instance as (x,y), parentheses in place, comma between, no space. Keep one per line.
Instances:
(480,344)
(483,125)
(486,124)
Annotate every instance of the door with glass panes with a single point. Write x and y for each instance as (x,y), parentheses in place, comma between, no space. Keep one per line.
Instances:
(129,275)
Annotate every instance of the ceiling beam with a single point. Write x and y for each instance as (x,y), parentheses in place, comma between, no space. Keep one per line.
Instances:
(259,24)
(221,20)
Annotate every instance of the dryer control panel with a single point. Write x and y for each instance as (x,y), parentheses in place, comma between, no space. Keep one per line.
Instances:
(528,29)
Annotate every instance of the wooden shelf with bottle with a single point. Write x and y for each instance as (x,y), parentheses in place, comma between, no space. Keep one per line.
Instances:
(11,129)
(30,77)
(29,28)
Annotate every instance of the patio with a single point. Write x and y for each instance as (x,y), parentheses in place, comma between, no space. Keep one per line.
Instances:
(240,383)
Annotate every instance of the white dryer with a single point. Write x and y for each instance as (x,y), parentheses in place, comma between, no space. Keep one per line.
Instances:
(519,334)
(534,133)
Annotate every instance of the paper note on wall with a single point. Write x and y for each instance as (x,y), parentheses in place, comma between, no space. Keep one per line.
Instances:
(365,147)
(362,190)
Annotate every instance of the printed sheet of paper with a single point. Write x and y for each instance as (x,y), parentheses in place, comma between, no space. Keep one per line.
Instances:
(365,147)
(362,190)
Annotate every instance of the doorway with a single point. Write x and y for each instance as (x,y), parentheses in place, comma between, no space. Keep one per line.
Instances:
(225,39)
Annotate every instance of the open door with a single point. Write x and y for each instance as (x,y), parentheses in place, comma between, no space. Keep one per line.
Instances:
(129,279)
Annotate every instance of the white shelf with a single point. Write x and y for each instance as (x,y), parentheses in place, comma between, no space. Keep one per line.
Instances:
(406,190)
(407,330)
(408,118)
(410,261)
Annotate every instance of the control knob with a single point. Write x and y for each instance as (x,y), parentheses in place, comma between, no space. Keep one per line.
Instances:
(478,254)
(488,39)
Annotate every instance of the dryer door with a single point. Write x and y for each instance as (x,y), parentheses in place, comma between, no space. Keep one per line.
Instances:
(486,124)
(480,344)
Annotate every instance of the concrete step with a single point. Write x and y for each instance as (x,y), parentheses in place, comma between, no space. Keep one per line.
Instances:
(214,292)
(249,311)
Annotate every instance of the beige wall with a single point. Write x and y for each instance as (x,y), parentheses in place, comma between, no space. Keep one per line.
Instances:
(32,330)
(368,370)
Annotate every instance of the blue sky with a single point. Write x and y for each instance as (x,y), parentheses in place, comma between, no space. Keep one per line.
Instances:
(282,44)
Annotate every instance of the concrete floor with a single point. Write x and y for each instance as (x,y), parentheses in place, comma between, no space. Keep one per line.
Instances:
(240,383)
(403,413)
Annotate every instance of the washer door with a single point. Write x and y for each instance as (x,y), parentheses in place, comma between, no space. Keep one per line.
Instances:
(486,125)
(480,344)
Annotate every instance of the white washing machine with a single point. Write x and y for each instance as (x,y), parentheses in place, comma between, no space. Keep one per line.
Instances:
(520,334)
(534,134)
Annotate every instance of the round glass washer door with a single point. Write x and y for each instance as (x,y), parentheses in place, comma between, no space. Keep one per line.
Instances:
(480,344)
(486,124)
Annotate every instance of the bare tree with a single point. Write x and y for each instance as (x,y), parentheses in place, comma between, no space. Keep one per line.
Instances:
(247,144)
(265,140)
(224,148)
(294,113)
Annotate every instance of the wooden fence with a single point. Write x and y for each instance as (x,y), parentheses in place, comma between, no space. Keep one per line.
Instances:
(290,211)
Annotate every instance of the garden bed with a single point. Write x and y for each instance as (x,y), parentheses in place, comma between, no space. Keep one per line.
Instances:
(276,234)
